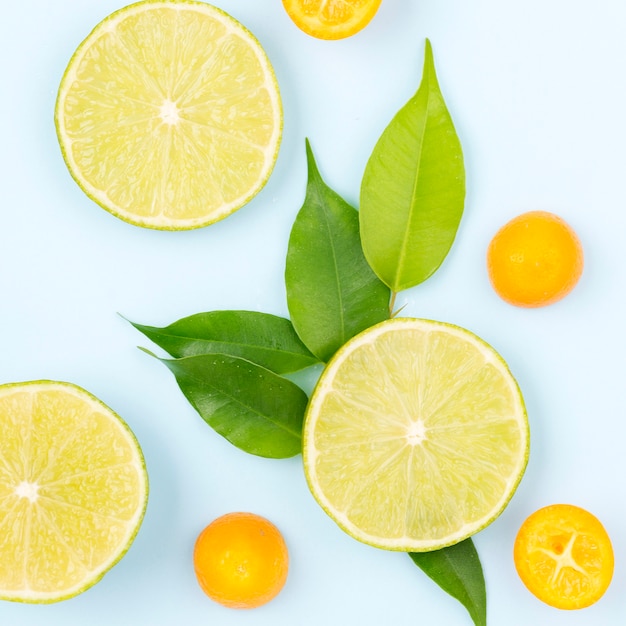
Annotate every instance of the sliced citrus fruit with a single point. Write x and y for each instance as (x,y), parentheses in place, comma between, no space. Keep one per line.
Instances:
(169,114)
(564,556)
(73,490)
(241,560)
(416,435)
(331,19)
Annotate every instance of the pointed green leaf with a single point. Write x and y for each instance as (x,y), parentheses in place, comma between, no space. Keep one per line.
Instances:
(332,293)
(413,189)
(255,409)
(264,339)
(457,570)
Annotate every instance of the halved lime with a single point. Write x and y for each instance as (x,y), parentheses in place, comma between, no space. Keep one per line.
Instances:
(169,114)
(73,490)
(416,435)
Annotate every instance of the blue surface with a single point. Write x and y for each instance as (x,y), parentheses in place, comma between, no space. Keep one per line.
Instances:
(537,93)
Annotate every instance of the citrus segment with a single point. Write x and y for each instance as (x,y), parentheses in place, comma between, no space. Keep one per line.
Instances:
(416,435)
(241,560)
(73,490)
(564,556)
(169,114)
(535,259)
(331,19)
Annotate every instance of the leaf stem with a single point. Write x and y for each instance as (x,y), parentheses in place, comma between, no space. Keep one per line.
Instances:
(392,303)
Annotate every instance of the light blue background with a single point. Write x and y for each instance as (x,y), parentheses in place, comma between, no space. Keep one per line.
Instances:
(537,93)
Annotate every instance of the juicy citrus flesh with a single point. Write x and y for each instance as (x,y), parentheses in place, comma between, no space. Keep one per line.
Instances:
(534,260)
(416,435)
(241,560)
(169,115)
(564,556)
(73,490)
(331,19)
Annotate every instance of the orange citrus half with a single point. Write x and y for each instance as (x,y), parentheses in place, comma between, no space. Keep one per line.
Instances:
(241,560)
(534,260)
(331,19)
(564,556)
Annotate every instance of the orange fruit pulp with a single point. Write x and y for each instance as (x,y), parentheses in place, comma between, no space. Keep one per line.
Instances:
(564,556)
(241,560)
(331,19)
(534,260)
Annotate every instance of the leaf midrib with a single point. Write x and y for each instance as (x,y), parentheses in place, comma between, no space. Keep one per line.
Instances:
(342,320)
(235,343)
(405,241)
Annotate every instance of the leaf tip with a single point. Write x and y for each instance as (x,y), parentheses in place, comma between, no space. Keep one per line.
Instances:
(429,61)
(138,327)
(149,353)
(310,161)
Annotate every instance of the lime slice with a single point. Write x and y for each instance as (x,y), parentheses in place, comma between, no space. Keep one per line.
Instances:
(416,435)
(73,490)
(169,115)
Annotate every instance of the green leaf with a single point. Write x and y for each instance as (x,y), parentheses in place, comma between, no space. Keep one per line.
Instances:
(457,570)
(264,339)
(332,293)
(255,409)
(413,189)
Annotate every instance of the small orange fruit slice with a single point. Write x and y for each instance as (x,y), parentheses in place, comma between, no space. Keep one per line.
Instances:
(534,260)
(331,19)
(564,556)
(241,560)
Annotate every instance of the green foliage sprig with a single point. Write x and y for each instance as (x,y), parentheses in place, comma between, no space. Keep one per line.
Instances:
(343,270)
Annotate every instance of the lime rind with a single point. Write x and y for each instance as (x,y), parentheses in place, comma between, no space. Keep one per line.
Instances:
(368,487)
(132,524)
(157,221)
